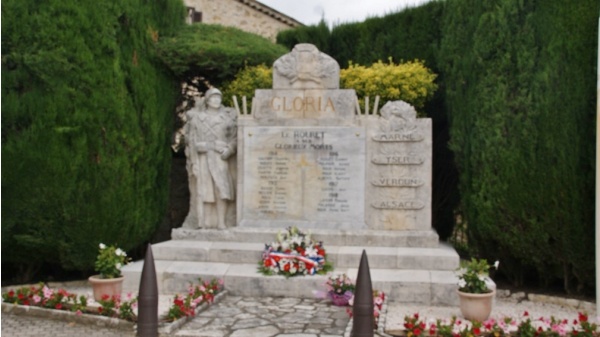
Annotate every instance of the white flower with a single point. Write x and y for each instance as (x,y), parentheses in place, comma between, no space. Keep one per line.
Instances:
(120,252)
(496,264)
(462,283)
(102,246)
(310,252)
(118,265)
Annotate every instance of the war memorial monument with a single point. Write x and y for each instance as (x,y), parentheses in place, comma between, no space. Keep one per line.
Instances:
(307,156)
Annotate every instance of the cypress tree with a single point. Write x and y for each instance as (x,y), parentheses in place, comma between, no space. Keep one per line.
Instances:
(85,128)
(519,124)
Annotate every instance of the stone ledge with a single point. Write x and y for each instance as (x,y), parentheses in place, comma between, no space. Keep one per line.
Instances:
(67,316)
(541,298)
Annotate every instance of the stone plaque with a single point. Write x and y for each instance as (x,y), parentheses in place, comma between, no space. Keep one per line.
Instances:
(308,176)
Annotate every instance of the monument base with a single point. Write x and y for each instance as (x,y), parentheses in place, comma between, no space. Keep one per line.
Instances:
(409,266)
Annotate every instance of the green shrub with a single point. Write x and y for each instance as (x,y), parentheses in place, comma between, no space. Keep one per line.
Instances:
(246,81)
(411,82)
(215,52)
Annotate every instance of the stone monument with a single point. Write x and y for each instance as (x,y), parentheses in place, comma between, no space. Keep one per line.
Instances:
(309,159)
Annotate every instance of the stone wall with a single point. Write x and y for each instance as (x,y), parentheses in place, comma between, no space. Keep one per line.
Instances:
(247,15)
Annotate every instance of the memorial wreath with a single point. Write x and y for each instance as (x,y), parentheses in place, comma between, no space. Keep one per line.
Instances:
(294,253)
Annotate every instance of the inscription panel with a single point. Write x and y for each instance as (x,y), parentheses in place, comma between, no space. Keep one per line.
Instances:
(304,173)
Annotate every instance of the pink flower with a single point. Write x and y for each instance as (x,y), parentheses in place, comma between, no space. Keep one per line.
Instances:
(47,292)
(78,313)
(36,299)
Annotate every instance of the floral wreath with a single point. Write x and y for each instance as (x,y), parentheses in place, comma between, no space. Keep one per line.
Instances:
(294,253)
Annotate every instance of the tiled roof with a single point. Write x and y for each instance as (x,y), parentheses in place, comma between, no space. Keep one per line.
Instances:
(272,13)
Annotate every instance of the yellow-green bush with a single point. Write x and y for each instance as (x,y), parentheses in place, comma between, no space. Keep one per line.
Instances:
(411,82)
(246,81)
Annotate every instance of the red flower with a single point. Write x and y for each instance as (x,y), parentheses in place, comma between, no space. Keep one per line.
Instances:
(268,263)
(526,314)
(286,267)
(417,332)
(11,293)
(100,309)
(20,296)
(476,331)
(26,302)
(105,297)
(583,317)
(58,306)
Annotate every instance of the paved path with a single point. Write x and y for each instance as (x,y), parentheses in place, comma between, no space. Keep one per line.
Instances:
(231,317)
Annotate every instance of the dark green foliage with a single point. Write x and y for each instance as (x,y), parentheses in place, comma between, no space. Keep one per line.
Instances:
(318,35)
(86,116)
(520,93)
(215,52)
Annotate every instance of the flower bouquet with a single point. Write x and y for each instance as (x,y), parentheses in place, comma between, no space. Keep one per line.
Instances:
(294,253)
(340,289)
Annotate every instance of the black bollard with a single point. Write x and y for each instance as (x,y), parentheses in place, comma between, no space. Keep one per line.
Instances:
(147,325)
(363,319)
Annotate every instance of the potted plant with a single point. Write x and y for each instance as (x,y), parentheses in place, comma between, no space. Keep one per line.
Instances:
(475,291)
(109,262)
(340,289)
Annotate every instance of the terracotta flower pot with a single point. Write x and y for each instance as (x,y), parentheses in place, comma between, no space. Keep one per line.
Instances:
(476,307)
(106,286)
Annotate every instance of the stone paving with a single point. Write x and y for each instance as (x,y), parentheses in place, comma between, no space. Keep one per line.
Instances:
(233,316)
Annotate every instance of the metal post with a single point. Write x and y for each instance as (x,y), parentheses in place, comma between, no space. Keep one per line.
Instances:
(598,177)
(147,325)
(364,321)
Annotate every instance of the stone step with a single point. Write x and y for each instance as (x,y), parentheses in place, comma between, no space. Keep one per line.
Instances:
(361,238)
(442,257)
(428,287)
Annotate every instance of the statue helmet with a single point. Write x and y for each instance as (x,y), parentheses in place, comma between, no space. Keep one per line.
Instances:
(212,91)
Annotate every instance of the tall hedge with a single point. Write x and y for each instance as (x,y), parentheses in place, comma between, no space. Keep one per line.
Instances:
(86,122)
(520,93)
